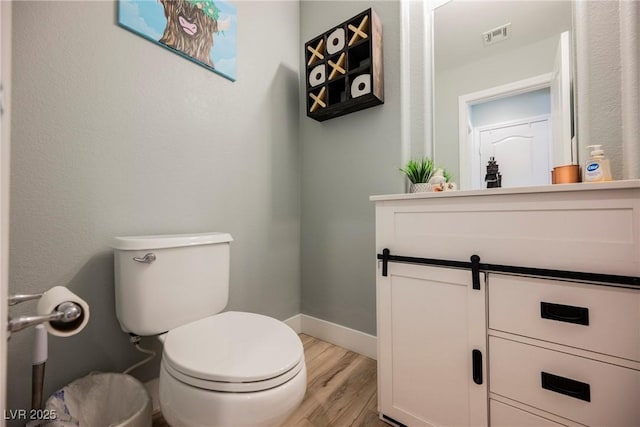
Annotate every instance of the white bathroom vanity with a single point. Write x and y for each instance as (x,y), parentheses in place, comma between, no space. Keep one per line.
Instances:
(510,306)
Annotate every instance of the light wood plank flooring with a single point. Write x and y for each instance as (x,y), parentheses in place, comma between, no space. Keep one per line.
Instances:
(341,389)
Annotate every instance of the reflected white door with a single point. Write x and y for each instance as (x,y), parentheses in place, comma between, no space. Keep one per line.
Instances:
(561,104)
(521,150)
(472,171)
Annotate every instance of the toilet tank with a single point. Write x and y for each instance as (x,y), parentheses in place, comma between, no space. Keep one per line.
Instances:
(187,281)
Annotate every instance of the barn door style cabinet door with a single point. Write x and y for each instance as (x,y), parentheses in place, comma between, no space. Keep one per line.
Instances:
(431,346)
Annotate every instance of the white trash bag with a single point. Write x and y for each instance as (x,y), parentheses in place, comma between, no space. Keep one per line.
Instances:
(100,399)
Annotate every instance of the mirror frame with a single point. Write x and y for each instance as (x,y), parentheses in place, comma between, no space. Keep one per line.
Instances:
(416,100)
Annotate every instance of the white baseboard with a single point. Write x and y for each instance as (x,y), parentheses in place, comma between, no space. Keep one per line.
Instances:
(348,338)
(295,323)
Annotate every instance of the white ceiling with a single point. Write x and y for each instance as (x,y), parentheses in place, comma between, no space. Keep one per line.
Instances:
(459,24)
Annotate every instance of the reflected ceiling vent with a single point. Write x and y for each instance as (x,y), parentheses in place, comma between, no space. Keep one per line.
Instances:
(496,35)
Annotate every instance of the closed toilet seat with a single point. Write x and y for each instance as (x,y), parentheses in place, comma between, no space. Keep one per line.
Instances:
(233,352)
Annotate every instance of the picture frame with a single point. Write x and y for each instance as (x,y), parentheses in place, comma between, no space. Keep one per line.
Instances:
(202,31)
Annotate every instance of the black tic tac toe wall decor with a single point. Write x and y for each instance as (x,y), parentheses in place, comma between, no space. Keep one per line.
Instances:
(344,68)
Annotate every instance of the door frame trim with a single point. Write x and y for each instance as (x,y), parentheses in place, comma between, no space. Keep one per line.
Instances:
(5,118)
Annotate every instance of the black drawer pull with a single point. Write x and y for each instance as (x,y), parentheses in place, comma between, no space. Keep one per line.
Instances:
(566,386)
(564,313)
(476,360)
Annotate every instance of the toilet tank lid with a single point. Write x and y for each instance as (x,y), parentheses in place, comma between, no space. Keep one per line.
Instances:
(139,243)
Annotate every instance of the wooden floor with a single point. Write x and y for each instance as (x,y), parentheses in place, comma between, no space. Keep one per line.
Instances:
(341,389)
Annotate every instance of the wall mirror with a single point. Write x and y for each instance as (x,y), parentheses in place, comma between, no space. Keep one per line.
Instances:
(502,75)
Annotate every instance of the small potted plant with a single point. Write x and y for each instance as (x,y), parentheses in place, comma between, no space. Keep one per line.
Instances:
(419,173)
(424,176)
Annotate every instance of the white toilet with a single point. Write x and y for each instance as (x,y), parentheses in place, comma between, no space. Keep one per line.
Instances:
(218,369)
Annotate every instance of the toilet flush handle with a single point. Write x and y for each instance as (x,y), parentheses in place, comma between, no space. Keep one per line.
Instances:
(147,258)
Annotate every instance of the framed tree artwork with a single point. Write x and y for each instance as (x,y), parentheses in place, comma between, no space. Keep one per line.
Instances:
(203,31)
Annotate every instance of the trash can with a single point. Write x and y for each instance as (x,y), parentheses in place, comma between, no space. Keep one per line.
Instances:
(100,399)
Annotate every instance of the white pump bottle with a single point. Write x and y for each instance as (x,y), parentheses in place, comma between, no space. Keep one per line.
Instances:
(597,168)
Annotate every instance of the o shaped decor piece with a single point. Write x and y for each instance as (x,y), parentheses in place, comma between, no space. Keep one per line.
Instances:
(336,41)
(361,85)
(318,75)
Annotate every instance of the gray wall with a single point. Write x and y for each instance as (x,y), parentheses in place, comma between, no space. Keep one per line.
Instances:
(603,69)
(345,160)
(113,135)
(598,78)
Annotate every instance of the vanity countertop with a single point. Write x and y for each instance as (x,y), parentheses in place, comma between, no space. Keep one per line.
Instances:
(554,188)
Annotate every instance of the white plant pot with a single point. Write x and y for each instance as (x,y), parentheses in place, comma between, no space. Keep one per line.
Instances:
(422,187)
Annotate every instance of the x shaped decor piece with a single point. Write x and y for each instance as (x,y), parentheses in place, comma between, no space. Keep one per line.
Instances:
(360,31)
(315,53)
(337,67)
(318,101)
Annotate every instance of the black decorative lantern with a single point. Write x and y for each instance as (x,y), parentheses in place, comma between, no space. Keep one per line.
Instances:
(493,177)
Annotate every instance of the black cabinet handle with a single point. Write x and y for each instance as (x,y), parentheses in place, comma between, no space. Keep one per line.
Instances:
(385,261)
(566,386)
(475,271)
(476,363)
(564,313)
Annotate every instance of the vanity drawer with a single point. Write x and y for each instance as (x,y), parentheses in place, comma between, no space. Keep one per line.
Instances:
(502,415)
(582,390)
(597,318)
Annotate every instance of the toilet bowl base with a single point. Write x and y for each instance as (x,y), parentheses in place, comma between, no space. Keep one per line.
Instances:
(185,405)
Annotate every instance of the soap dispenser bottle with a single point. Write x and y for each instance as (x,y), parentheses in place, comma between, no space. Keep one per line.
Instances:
(597,167)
